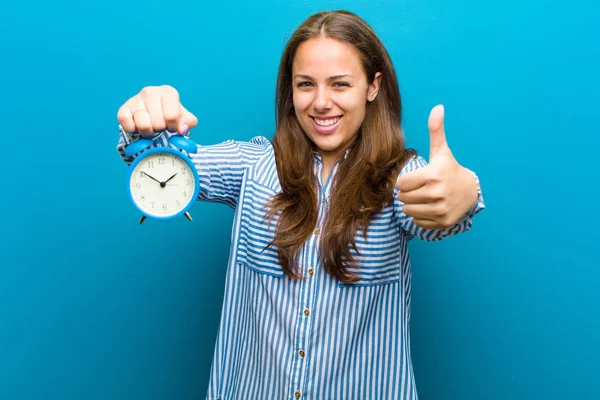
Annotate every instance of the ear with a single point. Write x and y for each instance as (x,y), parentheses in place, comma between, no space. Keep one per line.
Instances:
(374,87)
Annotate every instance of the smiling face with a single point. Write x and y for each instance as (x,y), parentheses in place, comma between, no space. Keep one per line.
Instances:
(330,94)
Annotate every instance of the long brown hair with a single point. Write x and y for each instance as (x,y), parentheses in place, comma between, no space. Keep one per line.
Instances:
(365,179)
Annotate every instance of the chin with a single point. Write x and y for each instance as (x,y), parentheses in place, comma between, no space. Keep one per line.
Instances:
(329,146)
(328,143)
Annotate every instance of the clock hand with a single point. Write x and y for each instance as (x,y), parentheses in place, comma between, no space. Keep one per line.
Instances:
(171,177)
(151,177)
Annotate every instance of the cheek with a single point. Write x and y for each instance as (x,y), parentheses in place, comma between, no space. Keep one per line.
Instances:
(355,114)
(351,102)
(301,101)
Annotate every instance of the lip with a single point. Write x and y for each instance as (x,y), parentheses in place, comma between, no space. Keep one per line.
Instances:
(326,130)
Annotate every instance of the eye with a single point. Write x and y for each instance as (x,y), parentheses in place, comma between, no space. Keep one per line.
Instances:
(341,84)
(303,84)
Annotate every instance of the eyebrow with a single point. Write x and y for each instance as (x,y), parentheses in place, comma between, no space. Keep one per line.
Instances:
(331,78)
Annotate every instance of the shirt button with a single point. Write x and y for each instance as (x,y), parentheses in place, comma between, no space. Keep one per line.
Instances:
(301,352)
(297,394)
(317,231)
(311,272)
(323,200)
(306,312)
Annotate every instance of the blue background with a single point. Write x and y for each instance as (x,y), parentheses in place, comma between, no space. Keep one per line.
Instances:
(95,306)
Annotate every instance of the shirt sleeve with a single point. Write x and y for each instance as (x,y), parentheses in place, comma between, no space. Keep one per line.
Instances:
(221,167)
(408,224)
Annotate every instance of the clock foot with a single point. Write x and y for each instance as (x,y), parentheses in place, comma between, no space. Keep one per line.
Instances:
(143,219)
(188,216)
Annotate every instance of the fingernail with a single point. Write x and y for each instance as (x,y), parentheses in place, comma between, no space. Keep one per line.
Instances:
(183,129)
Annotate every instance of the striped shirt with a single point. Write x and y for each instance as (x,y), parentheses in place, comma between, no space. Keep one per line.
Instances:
(313,338)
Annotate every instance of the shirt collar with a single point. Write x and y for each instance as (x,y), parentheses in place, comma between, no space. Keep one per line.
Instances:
(318,157)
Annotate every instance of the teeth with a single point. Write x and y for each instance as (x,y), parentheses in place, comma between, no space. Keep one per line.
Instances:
(327,122)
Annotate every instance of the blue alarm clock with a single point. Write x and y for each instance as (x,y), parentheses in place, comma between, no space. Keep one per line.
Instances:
(162,182)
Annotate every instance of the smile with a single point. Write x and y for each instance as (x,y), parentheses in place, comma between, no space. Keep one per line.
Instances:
(326,125)
(326,122)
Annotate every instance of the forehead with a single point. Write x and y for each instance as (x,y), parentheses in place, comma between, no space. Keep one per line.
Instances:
(323,57)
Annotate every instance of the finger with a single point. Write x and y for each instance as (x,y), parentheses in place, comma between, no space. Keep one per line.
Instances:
(189,120)
(437,211)
(155,112)
(424,194)
(126,119)
(412,180)
(171,108)
(141,118)
(427,224)
(437,136)
(420,211)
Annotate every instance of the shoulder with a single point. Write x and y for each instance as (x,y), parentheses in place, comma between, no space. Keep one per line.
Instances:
(262,168)
(247,151)
(257,142)
(261,141)
(256,148)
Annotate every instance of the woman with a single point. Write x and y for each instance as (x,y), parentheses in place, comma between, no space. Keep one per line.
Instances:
(317,299)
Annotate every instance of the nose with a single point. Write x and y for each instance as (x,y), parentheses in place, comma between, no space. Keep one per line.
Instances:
(322,101)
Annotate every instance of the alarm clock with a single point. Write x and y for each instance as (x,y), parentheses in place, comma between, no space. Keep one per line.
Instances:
(162,182)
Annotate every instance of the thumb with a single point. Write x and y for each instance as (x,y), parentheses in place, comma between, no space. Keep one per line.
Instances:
(187,120)
(437,136)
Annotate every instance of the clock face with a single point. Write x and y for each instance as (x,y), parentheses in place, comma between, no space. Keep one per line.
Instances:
(162,185)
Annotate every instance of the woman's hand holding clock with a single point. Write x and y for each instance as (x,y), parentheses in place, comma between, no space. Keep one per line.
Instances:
(155,109)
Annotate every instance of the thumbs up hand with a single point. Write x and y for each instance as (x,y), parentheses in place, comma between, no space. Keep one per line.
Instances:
(438,195)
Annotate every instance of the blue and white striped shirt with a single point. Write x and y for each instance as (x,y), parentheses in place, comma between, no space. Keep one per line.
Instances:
(315,338)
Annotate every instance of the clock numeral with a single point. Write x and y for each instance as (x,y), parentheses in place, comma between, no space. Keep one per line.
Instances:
(150,164)
(143,197)
(141,174)
(177,203)
(188,181)
(184,194)
(183,169)
(161,160)
(138,185)
(164,207)
(152,204)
